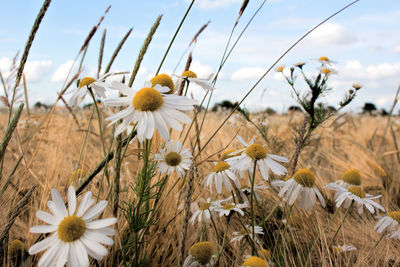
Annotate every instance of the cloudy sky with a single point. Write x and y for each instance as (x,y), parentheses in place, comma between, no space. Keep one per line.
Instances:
(364,42)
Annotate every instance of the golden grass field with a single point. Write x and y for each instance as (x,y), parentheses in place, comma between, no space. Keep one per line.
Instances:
(346,141)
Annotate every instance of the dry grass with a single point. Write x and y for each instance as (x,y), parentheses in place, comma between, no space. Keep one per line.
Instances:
(351,141)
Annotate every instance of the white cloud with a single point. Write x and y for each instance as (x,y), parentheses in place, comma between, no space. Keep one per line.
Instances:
(36,70)
(61,73)
(332,34)
(397,49)
(354,69)
(201,70)
(247,73)
(5,64)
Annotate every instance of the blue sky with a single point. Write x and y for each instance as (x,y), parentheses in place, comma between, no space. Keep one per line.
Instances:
(364,41)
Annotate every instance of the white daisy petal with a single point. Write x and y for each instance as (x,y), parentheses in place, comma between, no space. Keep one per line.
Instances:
(71,200)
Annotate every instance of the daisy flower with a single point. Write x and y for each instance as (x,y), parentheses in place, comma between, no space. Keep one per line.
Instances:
(163,80)
(75,232)
(203,212)
(248,232)
(200,255)
(192,77)
(356,194)
(227,208)
(151,108)
(222,174)
(254,261)
(98,86)
(256,152)
(344,248)
(389,223)
(302,185)
(173,158)
(350,178)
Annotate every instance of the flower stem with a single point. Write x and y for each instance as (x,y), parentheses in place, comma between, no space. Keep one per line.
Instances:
(223,242)
(319,234)
(379,241)
(253,219)
(341,224)
(214,226)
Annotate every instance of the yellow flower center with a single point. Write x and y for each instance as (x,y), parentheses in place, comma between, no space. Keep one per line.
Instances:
(205,206)
(352,177)
(228,206)
(325,59)
(147,99)
(163,80)
(326,71)
(16,248)
(189,74)
(254,261)
(71,228)
(173,158)
(395,215)
(265,254)
(305,177)
(86,81)
(280,69)
(202,251)
(357,191)
(256,152)
(220,166)
(357,86)
(300,64)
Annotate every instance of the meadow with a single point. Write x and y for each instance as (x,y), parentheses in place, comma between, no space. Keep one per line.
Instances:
(154,177)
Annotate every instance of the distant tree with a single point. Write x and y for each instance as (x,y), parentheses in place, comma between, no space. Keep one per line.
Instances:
(368,108)
(270,111)
(331,108)
(383,112)
(226,104)
(39,105)
(294,109)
